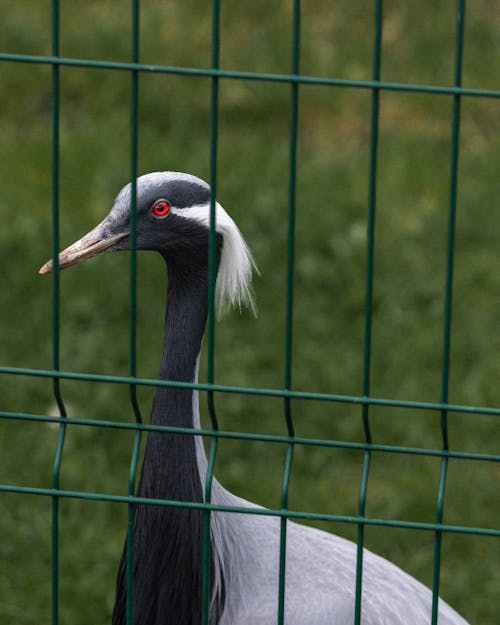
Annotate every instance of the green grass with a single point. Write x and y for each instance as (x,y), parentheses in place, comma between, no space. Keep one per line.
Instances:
(332,192)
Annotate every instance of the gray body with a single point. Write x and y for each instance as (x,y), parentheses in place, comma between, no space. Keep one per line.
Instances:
(320,573)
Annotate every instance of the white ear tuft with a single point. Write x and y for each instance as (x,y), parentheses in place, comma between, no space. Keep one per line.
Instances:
(234,278)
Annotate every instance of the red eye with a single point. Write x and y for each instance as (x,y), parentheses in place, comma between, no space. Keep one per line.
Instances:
(160,208)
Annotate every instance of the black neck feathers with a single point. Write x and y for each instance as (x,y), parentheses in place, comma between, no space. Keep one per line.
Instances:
(168,545)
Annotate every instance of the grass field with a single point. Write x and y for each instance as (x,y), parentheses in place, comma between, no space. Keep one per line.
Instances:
(332,200)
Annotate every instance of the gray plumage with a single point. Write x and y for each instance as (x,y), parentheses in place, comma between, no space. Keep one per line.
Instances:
(320,574)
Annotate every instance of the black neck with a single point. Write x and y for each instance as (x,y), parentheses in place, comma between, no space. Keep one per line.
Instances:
(168,540)
(170,469)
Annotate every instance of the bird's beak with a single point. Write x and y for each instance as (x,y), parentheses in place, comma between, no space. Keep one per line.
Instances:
(93,243)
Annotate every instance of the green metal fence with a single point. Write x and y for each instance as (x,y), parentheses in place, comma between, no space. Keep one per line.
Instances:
(376,86)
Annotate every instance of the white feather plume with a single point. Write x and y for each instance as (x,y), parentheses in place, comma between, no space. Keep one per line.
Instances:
(234,278)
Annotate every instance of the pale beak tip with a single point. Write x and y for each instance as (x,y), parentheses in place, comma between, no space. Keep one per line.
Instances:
(47,268)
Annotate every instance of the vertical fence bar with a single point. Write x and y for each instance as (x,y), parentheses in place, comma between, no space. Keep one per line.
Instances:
(134,105)
(370,271)
(212,276)
(292,187)
(55,311)
(448,302)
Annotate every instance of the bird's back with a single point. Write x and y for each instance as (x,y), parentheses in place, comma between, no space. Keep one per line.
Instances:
(320,577)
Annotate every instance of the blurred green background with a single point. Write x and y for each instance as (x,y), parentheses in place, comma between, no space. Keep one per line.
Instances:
(332,198)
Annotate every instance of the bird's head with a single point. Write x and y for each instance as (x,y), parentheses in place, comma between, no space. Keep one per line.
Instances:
(173,218)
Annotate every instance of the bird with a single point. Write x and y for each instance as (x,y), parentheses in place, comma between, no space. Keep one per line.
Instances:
(173,218)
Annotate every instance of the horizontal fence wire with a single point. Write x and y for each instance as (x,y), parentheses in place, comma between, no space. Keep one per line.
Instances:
(246,390)
(289,513)
(287,394)
(269,438)
(257,76)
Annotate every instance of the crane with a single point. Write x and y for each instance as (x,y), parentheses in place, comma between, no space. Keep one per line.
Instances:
(172,218)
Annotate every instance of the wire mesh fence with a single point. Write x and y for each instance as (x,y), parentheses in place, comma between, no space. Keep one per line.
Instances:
(365,404)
